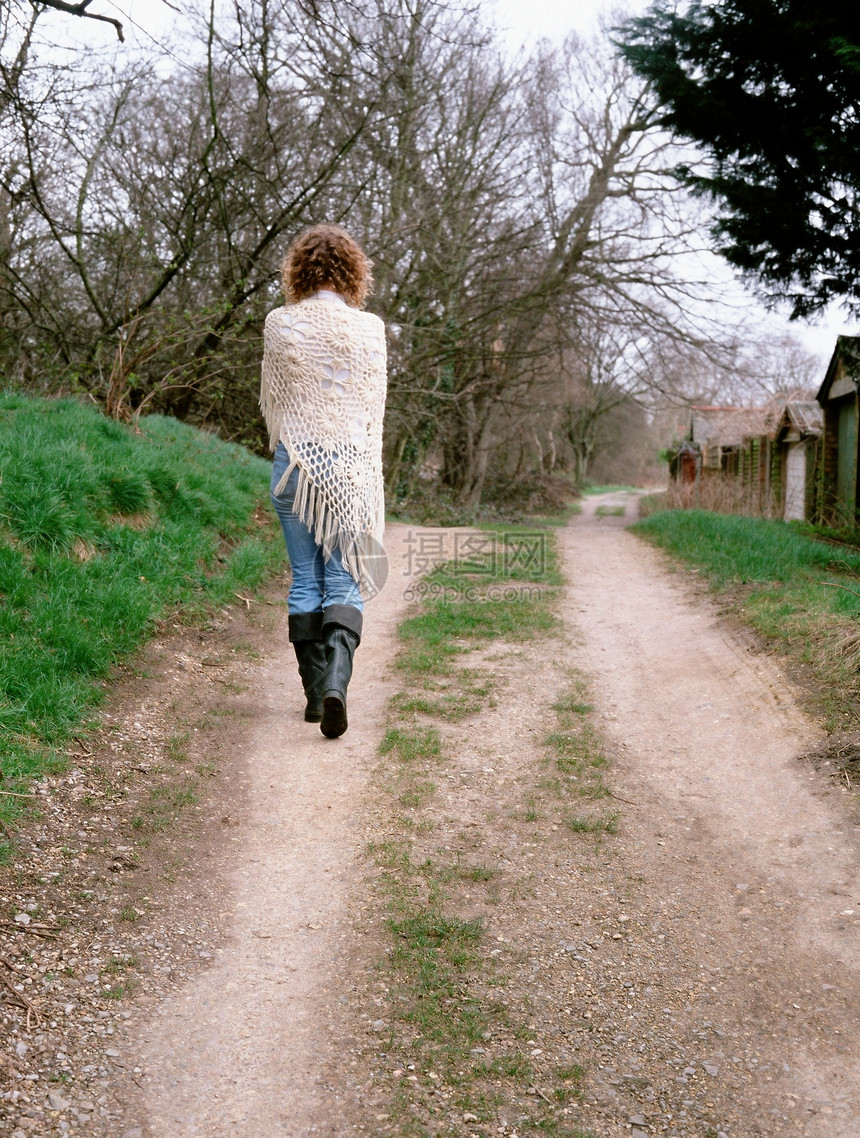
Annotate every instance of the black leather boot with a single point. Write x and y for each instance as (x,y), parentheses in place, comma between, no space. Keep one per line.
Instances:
(341,636)
(305,630)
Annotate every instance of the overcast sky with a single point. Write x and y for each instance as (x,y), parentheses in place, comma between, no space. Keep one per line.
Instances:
(528,20)
(523,20)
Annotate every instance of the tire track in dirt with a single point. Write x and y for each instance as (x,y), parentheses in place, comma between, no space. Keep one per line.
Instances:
(241,1047)
(724,824)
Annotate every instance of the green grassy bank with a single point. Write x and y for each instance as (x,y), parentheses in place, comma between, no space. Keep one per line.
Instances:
(800,592)
(103,531)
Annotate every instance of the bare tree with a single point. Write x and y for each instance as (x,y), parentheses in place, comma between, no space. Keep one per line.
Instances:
(161,207)
(598,230)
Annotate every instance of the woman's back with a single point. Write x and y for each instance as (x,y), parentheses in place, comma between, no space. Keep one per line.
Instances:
(324,375)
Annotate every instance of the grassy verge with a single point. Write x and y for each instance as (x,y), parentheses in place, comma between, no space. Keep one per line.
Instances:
(590,490)
(461,1055)
(800,593)
(103,532)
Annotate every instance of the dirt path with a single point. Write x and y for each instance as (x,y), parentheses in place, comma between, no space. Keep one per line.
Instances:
(701,966)
(736,841)
(240,1048)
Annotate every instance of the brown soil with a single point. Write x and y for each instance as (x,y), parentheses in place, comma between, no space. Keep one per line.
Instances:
(224,968)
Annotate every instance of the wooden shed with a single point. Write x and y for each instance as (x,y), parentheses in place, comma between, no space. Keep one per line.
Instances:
(737,446)
(838,398)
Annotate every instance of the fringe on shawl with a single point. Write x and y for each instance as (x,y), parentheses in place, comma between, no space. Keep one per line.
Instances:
(269,408)
(360,558)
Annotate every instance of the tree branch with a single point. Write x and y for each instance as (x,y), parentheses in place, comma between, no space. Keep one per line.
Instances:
(81,10)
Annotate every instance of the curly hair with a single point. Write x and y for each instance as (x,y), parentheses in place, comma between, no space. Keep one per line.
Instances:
(325,256)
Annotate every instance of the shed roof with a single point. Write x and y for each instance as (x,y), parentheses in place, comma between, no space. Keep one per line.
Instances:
(805,415)
(729,426)
(846,352)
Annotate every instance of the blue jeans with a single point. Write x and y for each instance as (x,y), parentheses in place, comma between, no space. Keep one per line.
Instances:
(317,583)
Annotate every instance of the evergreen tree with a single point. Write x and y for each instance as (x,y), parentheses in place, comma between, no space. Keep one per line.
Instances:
(770,90)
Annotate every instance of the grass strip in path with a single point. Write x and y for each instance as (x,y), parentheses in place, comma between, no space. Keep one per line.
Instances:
(467,780)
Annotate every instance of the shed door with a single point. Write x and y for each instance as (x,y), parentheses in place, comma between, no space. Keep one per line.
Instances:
(846,474)
(795,482)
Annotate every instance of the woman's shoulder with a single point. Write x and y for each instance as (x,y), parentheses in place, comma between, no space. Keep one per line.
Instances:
(286,329)
(374,320)
(278,315)
(356,319)
(368,321)
(289,317)
(373,331)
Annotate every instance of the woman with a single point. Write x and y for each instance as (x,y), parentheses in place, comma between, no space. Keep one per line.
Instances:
(323,398)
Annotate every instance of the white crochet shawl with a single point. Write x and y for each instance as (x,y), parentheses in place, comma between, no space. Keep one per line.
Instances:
(323,396)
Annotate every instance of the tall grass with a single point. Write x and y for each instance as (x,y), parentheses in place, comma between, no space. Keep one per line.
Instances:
(104,530)
(736,549)
(717,492)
